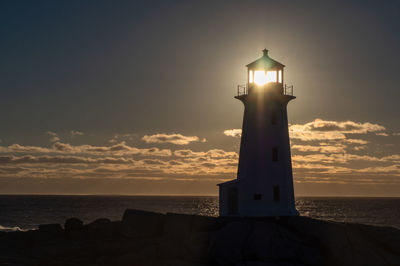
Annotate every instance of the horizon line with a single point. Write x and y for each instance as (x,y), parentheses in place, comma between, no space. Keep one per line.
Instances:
(184,195)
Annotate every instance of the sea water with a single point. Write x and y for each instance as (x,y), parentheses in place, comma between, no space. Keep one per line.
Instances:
(24,212)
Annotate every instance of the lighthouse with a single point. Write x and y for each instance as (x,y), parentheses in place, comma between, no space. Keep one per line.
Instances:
(264,183)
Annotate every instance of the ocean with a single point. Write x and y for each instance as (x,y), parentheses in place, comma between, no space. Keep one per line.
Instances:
(24,212)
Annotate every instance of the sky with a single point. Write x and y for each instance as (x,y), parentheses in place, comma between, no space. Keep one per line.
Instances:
(136,97)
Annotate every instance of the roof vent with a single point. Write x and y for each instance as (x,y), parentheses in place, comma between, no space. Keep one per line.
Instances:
(265,52)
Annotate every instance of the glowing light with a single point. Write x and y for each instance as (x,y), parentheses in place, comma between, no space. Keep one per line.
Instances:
(251,76)
(260,78)
(280,76)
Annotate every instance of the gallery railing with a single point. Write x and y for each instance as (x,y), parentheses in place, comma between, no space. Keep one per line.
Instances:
(244,89)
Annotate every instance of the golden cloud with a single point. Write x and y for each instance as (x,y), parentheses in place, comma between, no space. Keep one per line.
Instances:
(236,133)
(120,149)
(176,139)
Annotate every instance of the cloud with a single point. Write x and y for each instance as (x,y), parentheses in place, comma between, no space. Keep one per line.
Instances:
(116,149)
(80,166)
(214,164)
(119,137)
(120,149)
(324,130)
(295,133)
(348,127)
(214,153)
(394,169)
(176,139)
(53,136)
(392,158)
(76,133)
(29,159)
(383,134)
(188,153)
(331,130)
(337,158)
(356,141)
(17,148)
(153,162)
(330,157)
(236,133)
(322,148)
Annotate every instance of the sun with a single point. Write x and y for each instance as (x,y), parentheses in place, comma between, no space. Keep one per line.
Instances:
(263,77)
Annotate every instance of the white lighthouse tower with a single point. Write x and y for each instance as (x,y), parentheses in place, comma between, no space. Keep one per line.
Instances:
(264,184)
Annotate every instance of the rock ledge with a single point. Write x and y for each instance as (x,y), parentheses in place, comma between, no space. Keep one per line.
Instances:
(148,238)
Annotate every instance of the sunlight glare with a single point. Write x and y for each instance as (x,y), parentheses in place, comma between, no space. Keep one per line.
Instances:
(261,79)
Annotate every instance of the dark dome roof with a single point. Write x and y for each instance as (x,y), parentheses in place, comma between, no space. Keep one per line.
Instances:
(265,62)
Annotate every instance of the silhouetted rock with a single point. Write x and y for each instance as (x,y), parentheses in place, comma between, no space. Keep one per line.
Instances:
(53,229)
(148,238)
(177,229)
(177,226)
(137,223)
(206,223)
(146,255)
(100,223)
(197,247)
(228,243)
(100,228)
(72,224)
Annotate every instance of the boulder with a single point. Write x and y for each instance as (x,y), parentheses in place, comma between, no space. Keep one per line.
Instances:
(138,223)
(99,223)
(100,228)
(341,243)
(272,241)
(178,263)
(52,229)
(197,247)
(387,238)
(144,257)
(205,223)
(177,226)
(73,224)
(227,244)
(261,263)
(178,239)
(177,230)
(260,241)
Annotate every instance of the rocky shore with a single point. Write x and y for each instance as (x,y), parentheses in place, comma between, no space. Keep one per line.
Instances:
(148,238)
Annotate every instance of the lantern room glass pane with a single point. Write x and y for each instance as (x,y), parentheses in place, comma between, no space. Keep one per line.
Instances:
(271,76)
(261,77)
(280,76)
(251,76)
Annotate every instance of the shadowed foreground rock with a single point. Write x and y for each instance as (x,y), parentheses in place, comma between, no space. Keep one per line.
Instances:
(148,238)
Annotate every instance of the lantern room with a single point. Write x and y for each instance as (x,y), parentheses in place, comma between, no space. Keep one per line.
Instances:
(264,71)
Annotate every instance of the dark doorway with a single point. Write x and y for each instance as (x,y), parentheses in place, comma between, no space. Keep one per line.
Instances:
(257,196)
(273,117)
(275,154)
(277,194)
(233,201)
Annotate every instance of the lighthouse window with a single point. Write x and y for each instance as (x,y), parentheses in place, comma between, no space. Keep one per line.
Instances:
(280,76)
(275,154)
(262,77)
(273,117)
(277,195)
(257,196)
